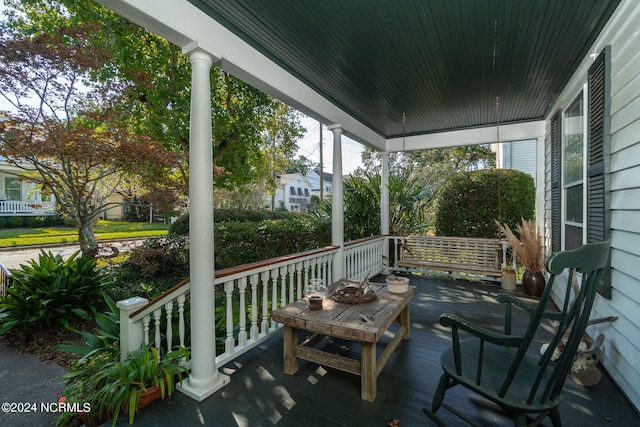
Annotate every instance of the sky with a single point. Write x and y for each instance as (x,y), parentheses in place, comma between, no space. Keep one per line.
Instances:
(309,146)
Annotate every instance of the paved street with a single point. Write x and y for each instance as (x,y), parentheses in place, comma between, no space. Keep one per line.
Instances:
(12,258)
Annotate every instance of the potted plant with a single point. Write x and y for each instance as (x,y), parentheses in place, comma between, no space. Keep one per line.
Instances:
(527,249)
(126,386)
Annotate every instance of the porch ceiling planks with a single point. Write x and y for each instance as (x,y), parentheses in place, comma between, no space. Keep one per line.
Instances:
(442,63)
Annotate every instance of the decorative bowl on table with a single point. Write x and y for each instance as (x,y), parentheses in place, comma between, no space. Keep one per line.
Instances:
(397,284)
(347,294)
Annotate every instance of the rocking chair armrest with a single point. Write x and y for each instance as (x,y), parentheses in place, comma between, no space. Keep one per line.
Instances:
(510,299)
(456,322)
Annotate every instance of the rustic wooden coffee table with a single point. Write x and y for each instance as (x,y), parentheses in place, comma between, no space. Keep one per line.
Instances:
(364,323)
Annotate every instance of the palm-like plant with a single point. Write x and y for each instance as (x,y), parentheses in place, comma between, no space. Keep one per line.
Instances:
(408,201)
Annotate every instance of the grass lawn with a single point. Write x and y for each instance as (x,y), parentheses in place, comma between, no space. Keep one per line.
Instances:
(104,230)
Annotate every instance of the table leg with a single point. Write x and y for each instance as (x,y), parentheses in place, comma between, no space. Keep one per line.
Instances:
(368,372)
(405,319)
(290,338)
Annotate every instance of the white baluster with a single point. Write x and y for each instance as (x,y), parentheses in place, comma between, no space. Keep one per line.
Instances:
(157,314)
(292,279)
(282,278)
(242,335)
(168,307)
(181,299)
(229,342)
(274,293)
(265,302)
(299,273)
(254,307)
(145,321)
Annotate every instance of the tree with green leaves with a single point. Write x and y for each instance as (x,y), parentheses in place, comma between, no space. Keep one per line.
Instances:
(158,96)
(66,132)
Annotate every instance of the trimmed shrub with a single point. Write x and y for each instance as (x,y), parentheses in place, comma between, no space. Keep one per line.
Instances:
(34,221)
(241,243)
(3,222)
(470,203)
(52,220)
(181,226)
(15,222)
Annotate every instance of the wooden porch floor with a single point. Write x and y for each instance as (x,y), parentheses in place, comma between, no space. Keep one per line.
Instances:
(260,394)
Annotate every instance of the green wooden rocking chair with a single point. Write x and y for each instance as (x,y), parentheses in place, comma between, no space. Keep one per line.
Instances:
(499,366)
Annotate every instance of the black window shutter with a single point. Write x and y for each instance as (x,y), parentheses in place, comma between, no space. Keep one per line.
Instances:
(598,174)
(556,190)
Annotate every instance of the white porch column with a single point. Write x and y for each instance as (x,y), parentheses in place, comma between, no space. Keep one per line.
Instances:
(204,379)
(384,203)
(337,203)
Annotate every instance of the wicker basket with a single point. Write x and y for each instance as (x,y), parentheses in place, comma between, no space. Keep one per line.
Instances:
(353,295)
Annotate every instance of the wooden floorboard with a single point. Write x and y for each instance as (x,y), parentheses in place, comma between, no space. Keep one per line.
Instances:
(260,394)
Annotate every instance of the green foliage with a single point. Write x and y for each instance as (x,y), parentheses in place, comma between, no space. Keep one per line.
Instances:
(181,226)
(470,203)
(161,256)
(242,243)
(407,198)
(3,222)
(49,292)
(104,340)
(34,221)
(111,386)
(15,222)
(52,220)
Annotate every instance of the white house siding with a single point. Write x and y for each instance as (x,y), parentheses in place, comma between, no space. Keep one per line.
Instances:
(622,359)
(519,155)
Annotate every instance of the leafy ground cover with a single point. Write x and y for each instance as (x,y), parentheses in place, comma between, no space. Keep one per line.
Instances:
(104,230)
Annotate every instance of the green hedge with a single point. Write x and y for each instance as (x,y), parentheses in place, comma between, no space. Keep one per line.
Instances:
(470,202)
(181,226)
(162,262)
(243,242)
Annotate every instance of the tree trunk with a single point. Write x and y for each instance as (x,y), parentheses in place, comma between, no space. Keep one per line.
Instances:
(87,240)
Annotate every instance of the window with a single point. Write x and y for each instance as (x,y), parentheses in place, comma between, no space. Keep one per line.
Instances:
(292,191)
(299,191)
(306,192)
(573,177)
(12,188)
(579,167)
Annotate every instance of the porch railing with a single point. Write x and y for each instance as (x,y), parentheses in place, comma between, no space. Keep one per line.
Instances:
(27,207)
(245,297)
(5,280)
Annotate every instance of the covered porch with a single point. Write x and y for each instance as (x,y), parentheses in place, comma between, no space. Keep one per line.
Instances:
(397,78)
(260,394)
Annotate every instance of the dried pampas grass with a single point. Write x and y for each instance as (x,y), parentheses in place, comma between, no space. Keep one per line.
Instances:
(527,249)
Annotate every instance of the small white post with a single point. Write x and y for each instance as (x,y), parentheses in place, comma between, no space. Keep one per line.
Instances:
(131,334)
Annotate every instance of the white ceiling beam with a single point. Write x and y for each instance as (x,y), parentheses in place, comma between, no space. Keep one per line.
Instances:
(476,136)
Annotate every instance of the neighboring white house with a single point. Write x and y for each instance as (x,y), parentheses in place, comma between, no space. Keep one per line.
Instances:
(19,197)
(293,193)
(327,182)
(518,155)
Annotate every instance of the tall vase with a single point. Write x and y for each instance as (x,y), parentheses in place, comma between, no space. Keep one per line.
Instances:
(533,283)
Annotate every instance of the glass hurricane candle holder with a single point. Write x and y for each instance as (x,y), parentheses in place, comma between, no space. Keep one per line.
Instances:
(315,292)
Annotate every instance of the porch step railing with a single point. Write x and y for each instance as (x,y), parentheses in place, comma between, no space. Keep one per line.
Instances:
(245,297)
(5,280)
